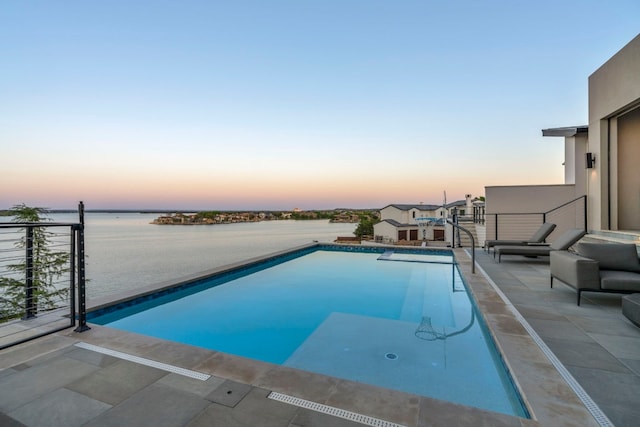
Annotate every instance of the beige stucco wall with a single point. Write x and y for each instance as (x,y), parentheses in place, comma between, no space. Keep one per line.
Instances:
(575,149)
(527,203)
(527,198)
(614,89)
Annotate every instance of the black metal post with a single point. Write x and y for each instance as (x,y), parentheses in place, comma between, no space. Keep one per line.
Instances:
(72,276)
(29,309)
(82,295)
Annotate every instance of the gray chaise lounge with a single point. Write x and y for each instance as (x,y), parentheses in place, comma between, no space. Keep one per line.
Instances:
(537,237)
(562,243)
(598,267)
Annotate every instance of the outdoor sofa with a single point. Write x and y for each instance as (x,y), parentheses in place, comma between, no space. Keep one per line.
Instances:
(561,243)
(537,237)
(598,267)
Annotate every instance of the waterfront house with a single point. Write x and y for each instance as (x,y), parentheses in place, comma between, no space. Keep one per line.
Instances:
(420,222)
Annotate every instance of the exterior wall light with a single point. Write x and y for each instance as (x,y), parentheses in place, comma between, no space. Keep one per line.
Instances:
(591,160)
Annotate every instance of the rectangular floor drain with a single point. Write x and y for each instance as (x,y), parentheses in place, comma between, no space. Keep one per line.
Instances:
(147,362)
(330,410)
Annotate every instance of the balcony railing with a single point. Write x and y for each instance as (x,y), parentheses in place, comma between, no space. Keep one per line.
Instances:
(42,284)
(503,225)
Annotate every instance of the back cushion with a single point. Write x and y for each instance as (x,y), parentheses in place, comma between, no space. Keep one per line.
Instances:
(612,256)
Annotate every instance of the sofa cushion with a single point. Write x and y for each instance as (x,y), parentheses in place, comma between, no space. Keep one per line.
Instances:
(612,256)
(619,280)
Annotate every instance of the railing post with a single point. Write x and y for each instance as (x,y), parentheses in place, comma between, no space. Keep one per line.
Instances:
(72,275)
(473,244)
(82,296)
(29,309)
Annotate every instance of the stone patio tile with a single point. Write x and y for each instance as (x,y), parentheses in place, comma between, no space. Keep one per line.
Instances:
(386,404)
(506,324)
(544,390)
(616,393)
(634,365)
(293,382)
(7,421)
(117,382)
(229,393)
(223,416)
(617,325)
(518,296)
(557,329)
(440,413)
(539,312)
(307,418)
(156,405)
(31,383)
(33,350)
(585,355)
(44,359)
(173,353)
(257,403)
(7,372)
(191,385)
(233,367)
(61,407)
(619,346)
(92,357)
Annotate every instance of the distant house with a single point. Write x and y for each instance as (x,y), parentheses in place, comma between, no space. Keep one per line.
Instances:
(414,223)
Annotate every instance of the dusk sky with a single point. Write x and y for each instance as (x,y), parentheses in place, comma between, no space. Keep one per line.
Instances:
(314,104)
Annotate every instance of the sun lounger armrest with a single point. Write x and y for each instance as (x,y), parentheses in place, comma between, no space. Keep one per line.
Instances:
(575,270)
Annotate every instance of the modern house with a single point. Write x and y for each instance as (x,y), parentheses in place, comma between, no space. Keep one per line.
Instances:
(601,191)
(417,223)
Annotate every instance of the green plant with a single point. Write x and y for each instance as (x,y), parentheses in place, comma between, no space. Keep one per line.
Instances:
(365,226)
(34,285)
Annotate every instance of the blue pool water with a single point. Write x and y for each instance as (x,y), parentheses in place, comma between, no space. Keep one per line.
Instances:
(398,320)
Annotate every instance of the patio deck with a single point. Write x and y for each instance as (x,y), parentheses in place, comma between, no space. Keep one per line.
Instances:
(52,381)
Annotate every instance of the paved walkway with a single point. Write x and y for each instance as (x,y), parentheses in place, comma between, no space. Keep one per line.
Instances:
(594,341)
(53,382)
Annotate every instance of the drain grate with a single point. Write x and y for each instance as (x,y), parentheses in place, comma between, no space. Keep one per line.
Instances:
(591,406)
(330,410)
(147,362)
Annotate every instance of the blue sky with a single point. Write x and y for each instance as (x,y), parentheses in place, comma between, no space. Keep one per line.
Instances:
(282,104)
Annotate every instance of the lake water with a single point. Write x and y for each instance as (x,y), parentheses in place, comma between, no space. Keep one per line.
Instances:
(124,251)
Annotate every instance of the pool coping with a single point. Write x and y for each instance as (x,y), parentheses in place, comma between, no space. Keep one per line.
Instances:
(546,394)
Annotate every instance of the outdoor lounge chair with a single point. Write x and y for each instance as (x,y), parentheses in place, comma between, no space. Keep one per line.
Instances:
(538,237)
(562,243)
(599,267)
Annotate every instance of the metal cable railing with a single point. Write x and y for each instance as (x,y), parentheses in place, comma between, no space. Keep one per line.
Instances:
(473,241)
(507,225)
(41,269)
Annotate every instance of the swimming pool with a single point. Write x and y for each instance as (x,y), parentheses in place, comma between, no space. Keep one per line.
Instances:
(399,319)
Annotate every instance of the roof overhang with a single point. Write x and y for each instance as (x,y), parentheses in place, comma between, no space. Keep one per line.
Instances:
(566,131)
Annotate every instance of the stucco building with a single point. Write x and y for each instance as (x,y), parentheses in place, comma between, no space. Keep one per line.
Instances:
(601,191)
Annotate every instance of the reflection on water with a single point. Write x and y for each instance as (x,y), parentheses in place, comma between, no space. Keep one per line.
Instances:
(125,251)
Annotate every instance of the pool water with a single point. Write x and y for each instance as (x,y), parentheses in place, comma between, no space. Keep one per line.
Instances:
(398,320)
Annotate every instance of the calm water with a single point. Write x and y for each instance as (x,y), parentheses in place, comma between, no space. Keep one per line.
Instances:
(405,325)
(125,251)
